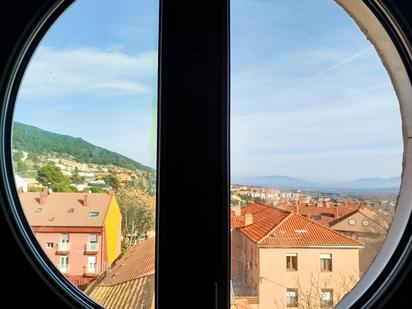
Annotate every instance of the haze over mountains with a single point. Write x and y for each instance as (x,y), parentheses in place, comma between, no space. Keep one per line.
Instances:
(362,185)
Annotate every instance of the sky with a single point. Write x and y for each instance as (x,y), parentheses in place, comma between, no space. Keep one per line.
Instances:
(94,76)
(310,98)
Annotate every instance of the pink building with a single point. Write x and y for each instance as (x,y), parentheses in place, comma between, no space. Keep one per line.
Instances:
(282,259)
(80,233)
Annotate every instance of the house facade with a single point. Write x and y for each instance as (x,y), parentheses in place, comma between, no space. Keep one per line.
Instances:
(80,233)
(366,226)
(286,260)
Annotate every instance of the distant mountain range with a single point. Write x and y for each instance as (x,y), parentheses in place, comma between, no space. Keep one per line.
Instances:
(362,185)
(41,142)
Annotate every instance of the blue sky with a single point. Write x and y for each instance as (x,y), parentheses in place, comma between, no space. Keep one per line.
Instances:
(310,96)
(94,76)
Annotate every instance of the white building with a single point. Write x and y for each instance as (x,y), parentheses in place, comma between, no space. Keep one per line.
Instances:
(21,183)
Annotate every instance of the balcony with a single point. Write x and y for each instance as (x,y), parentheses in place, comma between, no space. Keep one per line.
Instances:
(63,248)
(91,248)
(91,270)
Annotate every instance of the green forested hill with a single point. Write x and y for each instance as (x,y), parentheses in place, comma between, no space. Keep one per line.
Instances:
(37,141)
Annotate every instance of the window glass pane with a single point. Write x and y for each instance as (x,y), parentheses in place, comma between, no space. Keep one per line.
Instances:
(93,238)
(84,148)
(316,152)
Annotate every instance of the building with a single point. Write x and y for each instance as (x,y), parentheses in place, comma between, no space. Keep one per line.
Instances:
(367,226)
(321,212)
(129,284)
(21,183)
(80,233)
(287,260)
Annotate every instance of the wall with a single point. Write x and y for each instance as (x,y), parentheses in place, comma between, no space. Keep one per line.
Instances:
(77,258)
(275,279)
(245,279)
(373,227)
(112,230)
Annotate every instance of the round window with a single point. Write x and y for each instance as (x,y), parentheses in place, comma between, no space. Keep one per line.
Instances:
(352,221)
(365,222)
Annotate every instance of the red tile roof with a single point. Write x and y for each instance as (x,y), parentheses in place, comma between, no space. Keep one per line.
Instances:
(327,212)
(130,283)
(65,209)
(137,262)
(273,227)
(264,222)
(298,231)
(257,210)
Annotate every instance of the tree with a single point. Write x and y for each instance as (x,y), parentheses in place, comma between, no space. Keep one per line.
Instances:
(52,176)
(112,181)
(310,292)
(97,190)
(137,217)
(17,156)
(76,178)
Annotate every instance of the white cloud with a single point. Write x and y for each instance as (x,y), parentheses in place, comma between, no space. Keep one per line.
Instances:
(59,73)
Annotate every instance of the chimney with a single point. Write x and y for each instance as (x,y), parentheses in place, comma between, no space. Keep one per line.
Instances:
(85,200)
(248,219)
(42,199)
(46,191)
(337,211)
(20,190)
(237,210)
(297,207)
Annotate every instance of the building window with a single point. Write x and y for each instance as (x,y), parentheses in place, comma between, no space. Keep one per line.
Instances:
(64,238)
(326,262)
(365,222)
(93,238)
(326,299)
(292,297)
(94,214)
(64,264)
(64,244)
(92,244)
(352,221)
(91,267)
(49,245)
(316,218)
(291,261)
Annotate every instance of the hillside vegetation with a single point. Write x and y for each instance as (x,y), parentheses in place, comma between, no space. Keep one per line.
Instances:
(40,142)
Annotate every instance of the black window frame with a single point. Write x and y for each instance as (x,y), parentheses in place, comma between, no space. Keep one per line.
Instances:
(193,143)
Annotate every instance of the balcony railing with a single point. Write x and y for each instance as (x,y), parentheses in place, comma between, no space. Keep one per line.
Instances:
(90,270)
(63,248)
(91,248)
(64,269)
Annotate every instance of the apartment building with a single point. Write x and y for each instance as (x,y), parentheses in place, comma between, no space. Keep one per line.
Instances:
(79,232)
(284,259)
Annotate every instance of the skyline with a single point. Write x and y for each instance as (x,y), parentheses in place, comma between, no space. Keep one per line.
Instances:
(310,97)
